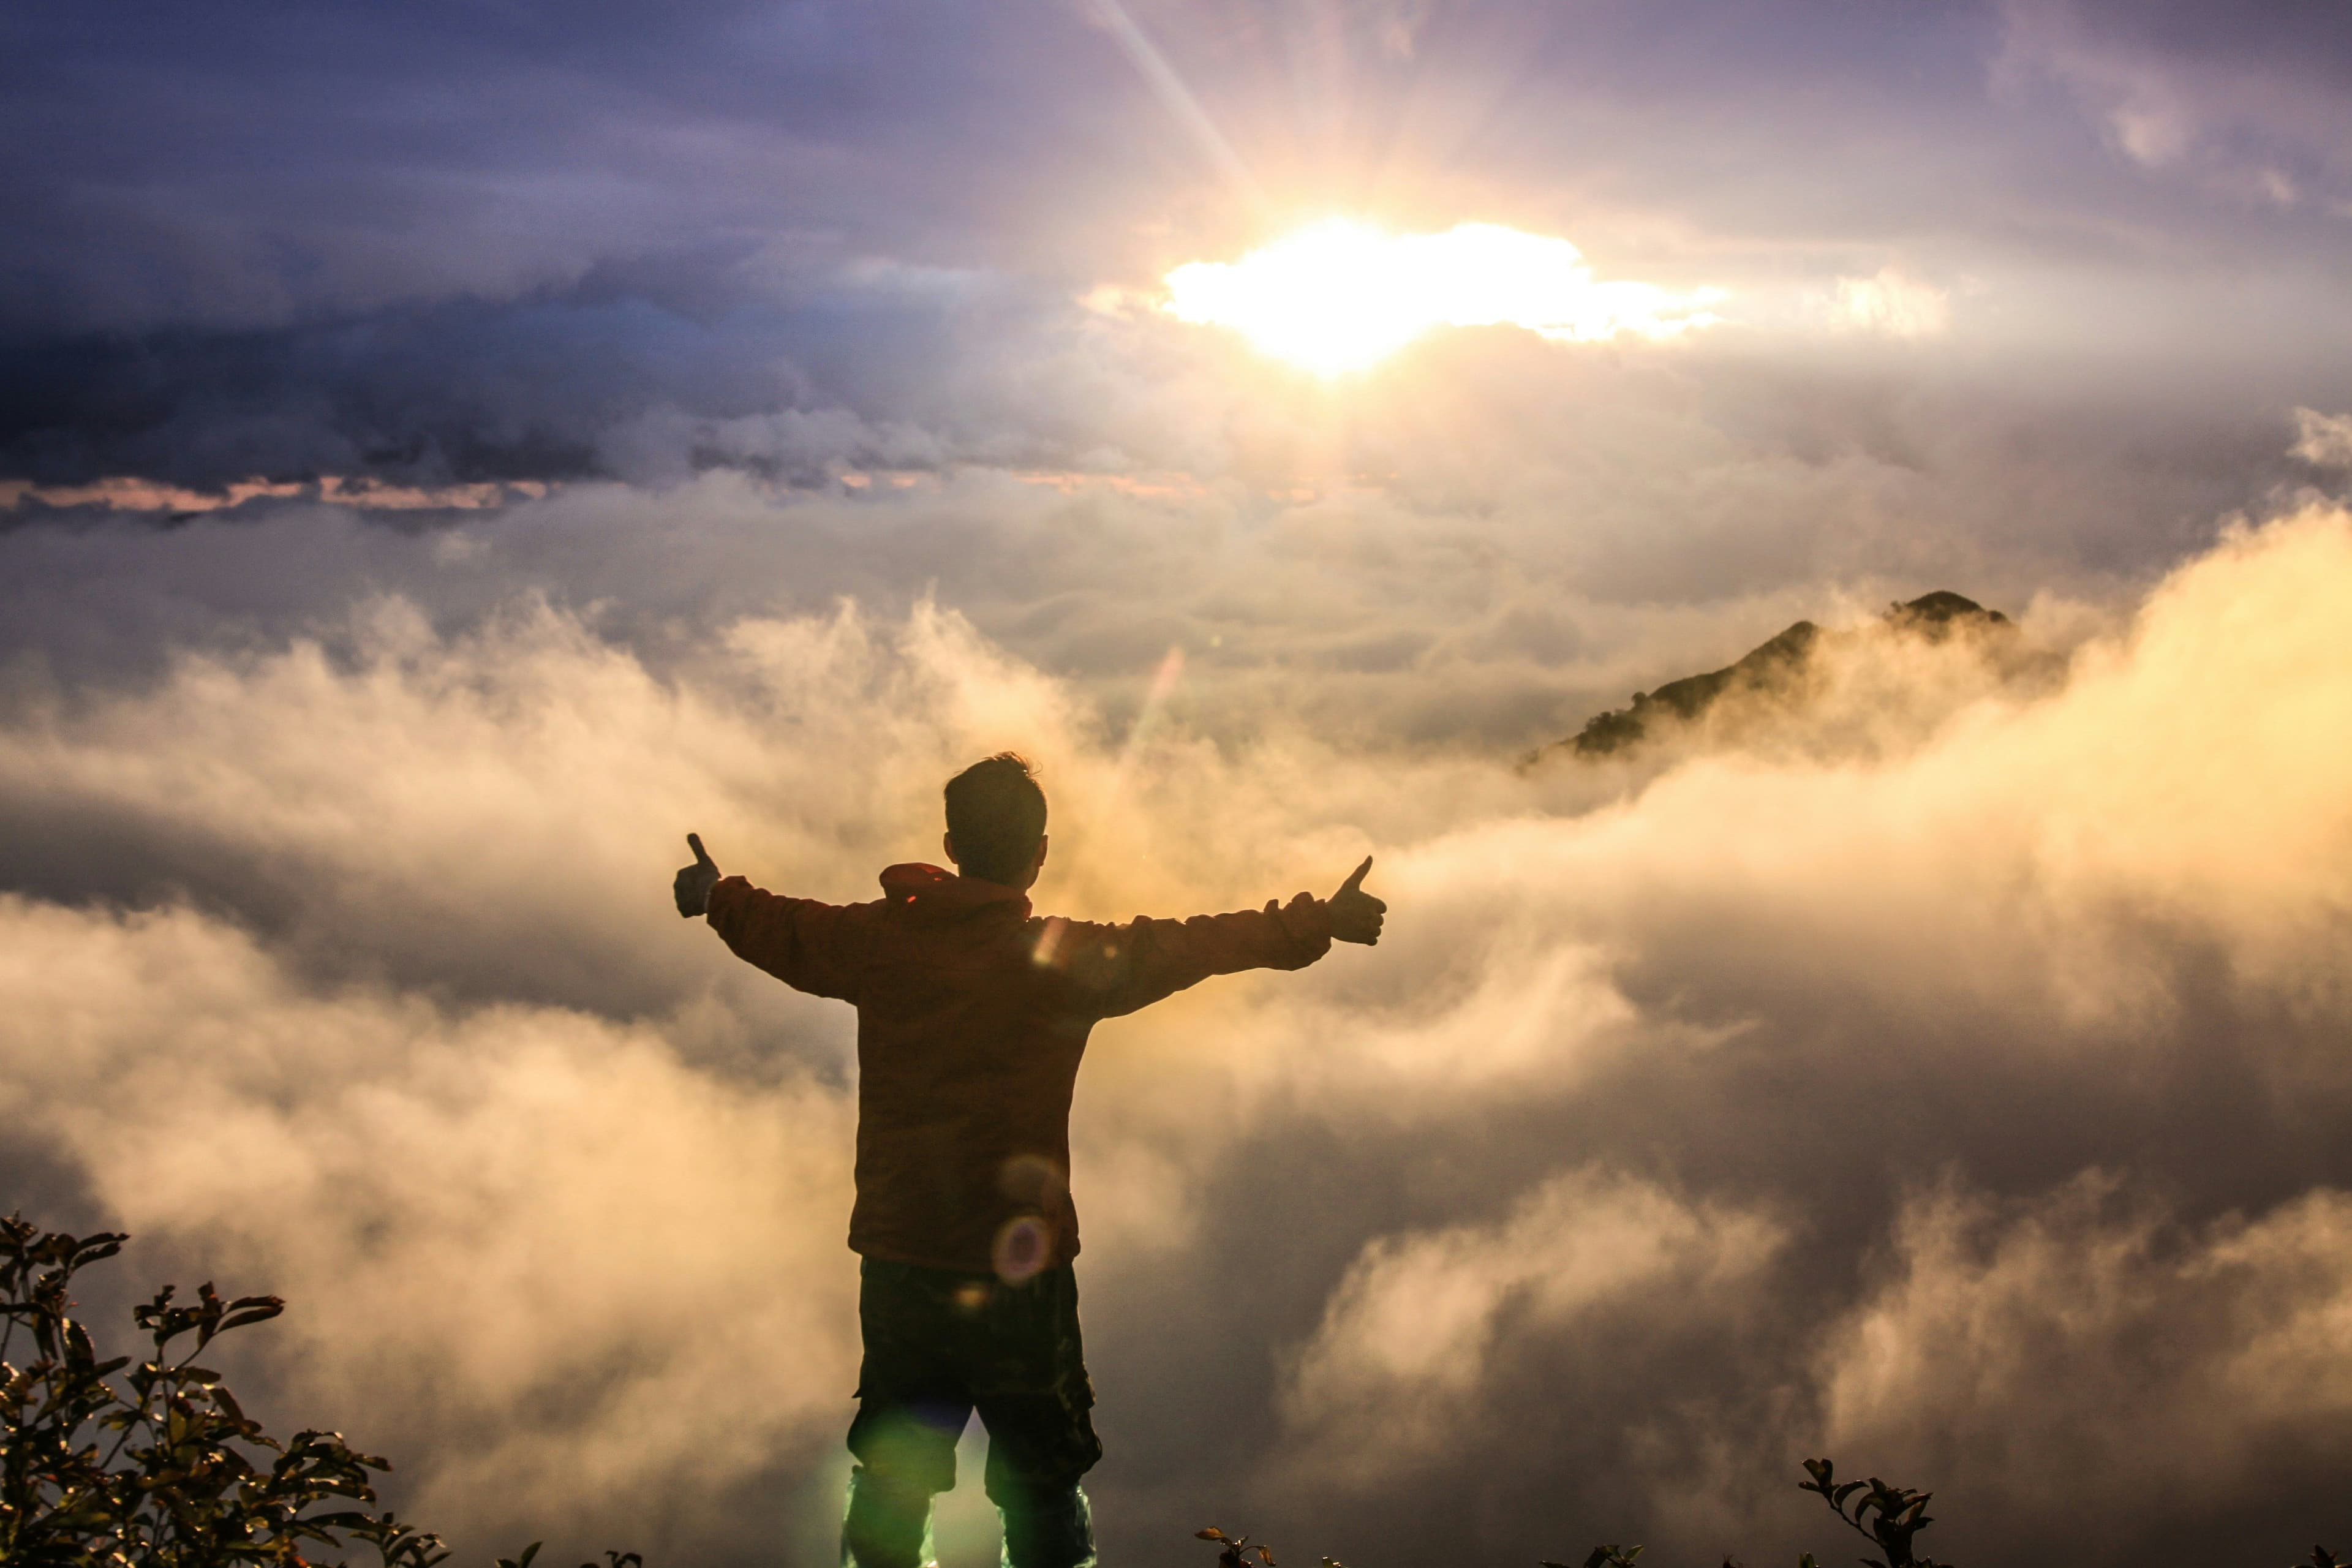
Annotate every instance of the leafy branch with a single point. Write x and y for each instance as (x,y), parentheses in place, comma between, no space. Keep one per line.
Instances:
(1887,1516)
(105,1462)
(1230,1549)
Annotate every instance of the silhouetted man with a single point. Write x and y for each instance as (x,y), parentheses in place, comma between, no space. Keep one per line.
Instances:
(971,1016)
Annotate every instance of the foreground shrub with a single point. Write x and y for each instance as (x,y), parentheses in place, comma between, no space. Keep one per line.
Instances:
(102,1462)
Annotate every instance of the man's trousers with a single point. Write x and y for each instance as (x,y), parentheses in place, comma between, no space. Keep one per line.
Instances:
(940,1346)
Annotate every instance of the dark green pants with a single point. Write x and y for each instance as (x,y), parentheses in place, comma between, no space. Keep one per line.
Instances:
(940,1346)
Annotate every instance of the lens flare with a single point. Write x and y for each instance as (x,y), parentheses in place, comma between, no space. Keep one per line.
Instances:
(1022,1249)
(1341,295)
(1164,681)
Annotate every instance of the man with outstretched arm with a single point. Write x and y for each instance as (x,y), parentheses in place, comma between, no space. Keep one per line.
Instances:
(972,1015)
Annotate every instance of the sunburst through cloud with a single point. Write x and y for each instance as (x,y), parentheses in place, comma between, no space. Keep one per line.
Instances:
(1342,295)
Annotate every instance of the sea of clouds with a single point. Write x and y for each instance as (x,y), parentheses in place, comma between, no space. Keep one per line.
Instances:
(1950,1079)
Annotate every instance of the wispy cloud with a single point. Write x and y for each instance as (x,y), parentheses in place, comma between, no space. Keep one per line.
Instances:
(129,494)
(2323,440)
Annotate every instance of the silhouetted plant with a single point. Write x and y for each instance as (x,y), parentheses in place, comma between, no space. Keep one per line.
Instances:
(1230,1547)
(1886,1516)
(166,1470)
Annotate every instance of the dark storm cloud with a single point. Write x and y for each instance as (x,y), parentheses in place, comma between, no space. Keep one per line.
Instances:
(465,392)
(452,242)
(176,168)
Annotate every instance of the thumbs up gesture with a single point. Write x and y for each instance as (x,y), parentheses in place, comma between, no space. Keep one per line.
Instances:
(1354,914)
(694,883)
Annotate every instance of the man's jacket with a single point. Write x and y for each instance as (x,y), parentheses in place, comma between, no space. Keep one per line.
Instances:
(971,1016)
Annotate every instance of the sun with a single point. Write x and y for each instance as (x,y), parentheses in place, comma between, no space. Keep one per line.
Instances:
(1340,295)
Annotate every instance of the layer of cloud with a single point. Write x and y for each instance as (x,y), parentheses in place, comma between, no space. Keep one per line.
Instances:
(344,968)
(1449,557)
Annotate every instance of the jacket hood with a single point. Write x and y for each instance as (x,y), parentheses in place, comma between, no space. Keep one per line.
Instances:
(939,895)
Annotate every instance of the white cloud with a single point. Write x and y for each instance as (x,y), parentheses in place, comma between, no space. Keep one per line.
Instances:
(1891,303)
(2090,1337)
(2323,440)
(1417,1328)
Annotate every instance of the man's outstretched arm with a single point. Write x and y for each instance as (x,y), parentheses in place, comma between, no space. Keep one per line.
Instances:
(1134,966)
(809,946)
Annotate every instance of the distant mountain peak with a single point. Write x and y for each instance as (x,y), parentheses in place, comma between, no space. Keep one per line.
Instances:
(1776,665)
(1935,613)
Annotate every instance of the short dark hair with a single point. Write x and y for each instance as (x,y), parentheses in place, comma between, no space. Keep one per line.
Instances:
(996,814)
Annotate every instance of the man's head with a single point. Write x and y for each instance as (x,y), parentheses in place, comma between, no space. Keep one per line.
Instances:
(996,821)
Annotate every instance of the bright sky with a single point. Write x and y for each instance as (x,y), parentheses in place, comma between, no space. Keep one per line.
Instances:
(1339,295)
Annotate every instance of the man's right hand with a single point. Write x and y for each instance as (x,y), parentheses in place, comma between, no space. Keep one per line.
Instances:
(1354,914)
(694,883)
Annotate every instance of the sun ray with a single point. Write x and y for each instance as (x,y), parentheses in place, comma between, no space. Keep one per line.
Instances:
(1178,99)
